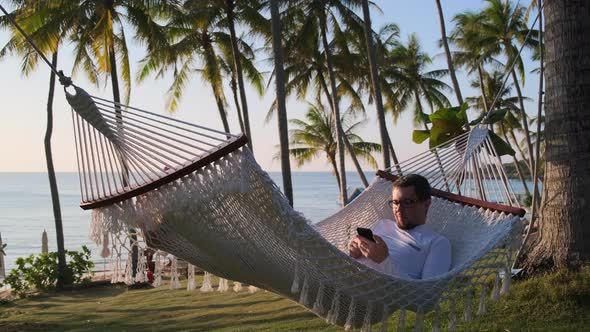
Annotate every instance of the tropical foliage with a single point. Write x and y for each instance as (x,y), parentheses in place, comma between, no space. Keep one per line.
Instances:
(316,136)
(320,49)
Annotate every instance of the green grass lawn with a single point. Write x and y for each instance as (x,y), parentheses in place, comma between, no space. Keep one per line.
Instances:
(558,302)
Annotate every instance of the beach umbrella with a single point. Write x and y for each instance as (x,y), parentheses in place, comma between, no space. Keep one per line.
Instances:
(44,243)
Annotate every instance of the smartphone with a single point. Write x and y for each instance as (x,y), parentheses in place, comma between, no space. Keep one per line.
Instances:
(366,233)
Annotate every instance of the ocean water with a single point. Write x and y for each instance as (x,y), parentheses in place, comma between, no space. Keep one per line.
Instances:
(26,210)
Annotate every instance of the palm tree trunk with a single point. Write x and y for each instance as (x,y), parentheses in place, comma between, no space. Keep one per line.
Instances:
(62,278)
(393,154)
(443,31)
(221,109)
(229,7)
(234,91)
(535,203)
(335,169)
(281,95)
(520,152)
(351,152)
(119,115)
(518,170)
(375,82)
(482,89)
(335,102)
(563,227)
(525,124)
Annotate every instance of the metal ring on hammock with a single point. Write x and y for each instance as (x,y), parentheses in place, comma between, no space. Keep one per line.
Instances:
(123,151)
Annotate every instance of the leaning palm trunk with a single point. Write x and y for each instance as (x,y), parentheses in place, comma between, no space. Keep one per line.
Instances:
(335,103)
(117,99)
(445,43)
(518,170)
(237,103)
(332,160)
(520,152)
(229,7)
(281,95)
(536,196)
(482,88)
(349,147)
(525,125)
(221,109)
(563,226)
(61,254)
(375,82)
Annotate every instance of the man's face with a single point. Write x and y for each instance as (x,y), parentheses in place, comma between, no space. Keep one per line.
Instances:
(410,211)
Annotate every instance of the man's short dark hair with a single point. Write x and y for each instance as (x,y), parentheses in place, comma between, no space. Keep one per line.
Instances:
(420,184)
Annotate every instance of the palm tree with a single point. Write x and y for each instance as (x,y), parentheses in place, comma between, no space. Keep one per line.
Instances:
(473,53)
(47,36)
(504,103)
(562,240)
(413,83)
(98,31)
(503,28)
(445,44)
(316,136)
(357,54)
(190,40)
(375,81)
(306,66)
(318,17)
(247,12)
(277,47)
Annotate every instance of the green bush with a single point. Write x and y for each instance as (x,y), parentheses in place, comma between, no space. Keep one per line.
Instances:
(40,271)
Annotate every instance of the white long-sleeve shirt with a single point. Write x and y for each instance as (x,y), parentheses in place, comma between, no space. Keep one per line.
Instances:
(418,253)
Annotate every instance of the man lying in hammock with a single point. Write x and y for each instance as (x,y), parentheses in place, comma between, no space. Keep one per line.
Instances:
(406,247)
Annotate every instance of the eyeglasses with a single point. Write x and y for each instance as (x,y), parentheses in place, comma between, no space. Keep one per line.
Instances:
(406,203)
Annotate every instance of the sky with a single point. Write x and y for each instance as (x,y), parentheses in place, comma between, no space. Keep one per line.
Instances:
(23,99)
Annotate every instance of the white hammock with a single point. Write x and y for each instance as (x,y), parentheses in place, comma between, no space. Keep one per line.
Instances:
(218,210)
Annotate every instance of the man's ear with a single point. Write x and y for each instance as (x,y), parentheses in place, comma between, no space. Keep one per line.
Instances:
(428,202)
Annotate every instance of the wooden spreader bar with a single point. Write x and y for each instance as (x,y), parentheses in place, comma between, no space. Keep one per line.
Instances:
(234,144)
(462,199)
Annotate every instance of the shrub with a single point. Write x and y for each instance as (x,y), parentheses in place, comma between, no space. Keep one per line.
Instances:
(40,271)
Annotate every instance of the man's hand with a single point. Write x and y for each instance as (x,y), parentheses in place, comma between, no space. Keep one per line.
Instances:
(353,247)
(376,251)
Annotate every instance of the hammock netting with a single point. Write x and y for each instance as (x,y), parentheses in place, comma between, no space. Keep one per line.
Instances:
(199,195)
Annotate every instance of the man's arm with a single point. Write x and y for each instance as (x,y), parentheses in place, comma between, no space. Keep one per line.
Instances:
(438,260)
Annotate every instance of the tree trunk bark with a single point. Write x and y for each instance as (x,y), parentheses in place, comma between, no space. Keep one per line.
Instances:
(525,124)
(482,88)
(520,152)
(349,147)
(230,5)
(563,229)
(234,91)
(335,103)
(277,47)
(221,109)
(119,115)
(335,169)
(518,170)
(62,274)
(443,32)
(375,82)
